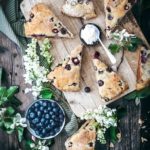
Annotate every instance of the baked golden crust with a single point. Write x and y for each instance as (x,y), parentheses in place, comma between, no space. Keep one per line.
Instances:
(84,139)
(143,72)
(110,84)
(44,23)
(115,10)
(66,77)
(83,9)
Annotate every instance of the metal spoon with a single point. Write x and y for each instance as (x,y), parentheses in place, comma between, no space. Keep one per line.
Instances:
(90,35)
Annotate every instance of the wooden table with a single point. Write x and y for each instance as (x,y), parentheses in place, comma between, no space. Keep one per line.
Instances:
(11,61)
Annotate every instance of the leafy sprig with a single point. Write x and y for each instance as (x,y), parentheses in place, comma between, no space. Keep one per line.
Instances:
(122,40)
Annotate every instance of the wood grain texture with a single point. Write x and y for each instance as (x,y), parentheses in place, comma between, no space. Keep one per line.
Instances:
(80,101)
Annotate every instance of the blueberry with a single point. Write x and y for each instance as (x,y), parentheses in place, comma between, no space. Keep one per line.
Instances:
(41,108)
(36,105)
(46,123)
(32,115)
(45,111)
(39,125)
(56,119)
(53,116)
(60,111)
(49,104)
(50,120)
(36,109)
(87,89)
(52,133)
(61,116)
(47,116)
(48,127)
(39,114)
(35,121)
(42,120)
(55,110)
(53,124)
(43,131)
(44,104)
(57,130)
(49,108)
(37,132)
(61,120)
(41,102)
(51,113)
(53,104)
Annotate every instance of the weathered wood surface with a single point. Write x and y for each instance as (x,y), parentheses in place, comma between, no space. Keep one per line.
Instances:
(80,101)
(11,61)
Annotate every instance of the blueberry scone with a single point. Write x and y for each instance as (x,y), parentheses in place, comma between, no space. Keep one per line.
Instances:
(115,10)
(66,76)
(110,84)
(143,73)
(44,23)
(79,8)
(84,139)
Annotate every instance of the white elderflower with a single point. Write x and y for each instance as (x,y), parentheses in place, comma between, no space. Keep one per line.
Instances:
(19,121)
(105,118)
(36,74)
(121,35)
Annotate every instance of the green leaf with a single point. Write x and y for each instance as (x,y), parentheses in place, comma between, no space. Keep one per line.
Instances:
(113,134)
(144,93)
(20,132)
(9,111)
(1,122)
(131,96)
(28,145)
(15,102)
(132,47)
(136,40)
(121,112)
(8,122)
(114,48)
(9,131)
(46,94)
(11,91)
(3,91)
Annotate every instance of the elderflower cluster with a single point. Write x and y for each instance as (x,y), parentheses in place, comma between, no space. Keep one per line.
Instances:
(105,118)
(44,51)
(41,145)
(18,121)
(121,35)
(35,74)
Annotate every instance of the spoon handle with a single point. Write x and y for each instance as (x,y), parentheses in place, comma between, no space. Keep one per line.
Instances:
(109,54)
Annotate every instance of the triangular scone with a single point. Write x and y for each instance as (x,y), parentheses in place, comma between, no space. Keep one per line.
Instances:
(84,139)
(110,84)
(115,10)
(66,76)
(79,8)
(143,73)
(44,23)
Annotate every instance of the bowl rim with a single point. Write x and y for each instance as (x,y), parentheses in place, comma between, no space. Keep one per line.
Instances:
(28,124)
(82,40)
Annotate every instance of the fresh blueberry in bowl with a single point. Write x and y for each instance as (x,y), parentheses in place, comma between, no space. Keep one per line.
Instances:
(45,119)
